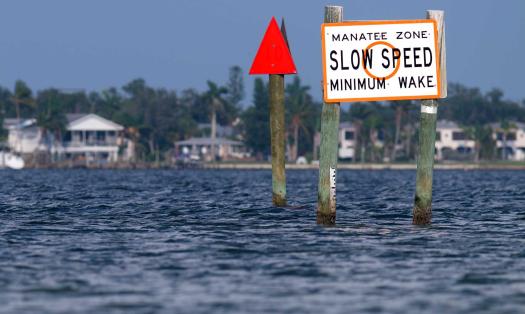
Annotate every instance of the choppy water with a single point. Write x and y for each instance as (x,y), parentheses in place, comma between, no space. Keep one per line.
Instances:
(81,241)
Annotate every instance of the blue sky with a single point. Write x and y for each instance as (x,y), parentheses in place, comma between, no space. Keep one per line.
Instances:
(178,44)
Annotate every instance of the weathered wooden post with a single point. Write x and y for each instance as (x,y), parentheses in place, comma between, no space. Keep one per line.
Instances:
(277,130)
(422,211)
(274,58)
(329,145)
(378,61)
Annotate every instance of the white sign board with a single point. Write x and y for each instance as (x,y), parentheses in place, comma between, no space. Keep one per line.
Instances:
(380,60)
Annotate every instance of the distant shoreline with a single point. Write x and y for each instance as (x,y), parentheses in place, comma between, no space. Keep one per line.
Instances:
(290,166)
(371,166)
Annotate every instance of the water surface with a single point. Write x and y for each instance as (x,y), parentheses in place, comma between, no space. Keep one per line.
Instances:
(80,241)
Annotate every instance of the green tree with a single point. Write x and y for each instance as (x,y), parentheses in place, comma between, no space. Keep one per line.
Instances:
(468,106)
(198,105)
(154,118)
(173,120)
(485,144)
(235,86)
(23,100)
(5,106)
(214,97)
(483,141)
(400,108)
(300,109)
(366,117)
(256,121)
(107,103)
(356,114)
(506,127)
(51,116)
(3,132)
(139,107)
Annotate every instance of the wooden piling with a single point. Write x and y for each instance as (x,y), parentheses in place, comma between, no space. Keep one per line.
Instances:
(422,211)
(277,130)
(326,199)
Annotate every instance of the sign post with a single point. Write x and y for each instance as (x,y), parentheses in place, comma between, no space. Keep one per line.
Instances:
(377,61)
(274,58)
(329,144)
(422,211)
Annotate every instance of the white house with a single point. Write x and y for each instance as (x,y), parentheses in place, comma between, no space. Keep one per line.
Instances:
(347,140)
(24,136)
(511,140)
(92,138)
(199,148)
(88,139)
(452,140)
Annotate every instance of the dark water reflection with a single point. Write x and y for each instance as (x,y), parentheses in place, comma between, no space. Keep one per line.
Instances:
(207,242)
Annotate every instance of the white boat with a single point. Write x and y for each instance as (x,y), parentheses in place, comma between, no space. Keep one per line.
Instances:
(9,160)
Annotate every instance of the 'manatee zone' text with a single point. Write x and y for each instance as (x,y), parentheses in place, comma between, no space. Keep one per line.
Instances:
(353,59)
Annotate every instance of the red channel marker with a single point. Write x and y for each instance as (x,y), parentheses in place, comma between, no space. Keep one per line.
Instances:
(273,56)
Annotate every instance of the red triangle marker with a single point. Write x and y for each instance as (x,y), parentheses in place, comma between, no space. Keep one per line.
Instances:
(273,56)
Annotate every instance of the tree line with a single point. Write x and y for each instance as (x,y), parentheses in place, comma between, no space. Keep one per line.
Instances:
(157,117)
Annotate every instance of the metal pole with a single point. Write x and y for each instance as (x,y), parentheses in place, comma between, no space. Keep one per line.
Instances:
(277,128)
(329,145)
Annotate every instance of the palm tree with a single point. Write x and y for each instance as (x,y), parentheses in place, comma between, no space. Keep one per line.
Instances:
(372,124)
(359,147)
(216,102)
(22,96)
(399,116)
(506,126)
(473,133)
(362,116)
(299,109)
(482,137)
(400,108)
(134,134)
(51,119)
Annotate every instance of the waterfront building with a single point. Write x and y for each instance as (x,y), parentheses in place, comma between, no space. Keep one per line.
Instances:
(452,142)
(88,139)
(348,142)
(510,140)
(24,136)
(92,139)
(200,148)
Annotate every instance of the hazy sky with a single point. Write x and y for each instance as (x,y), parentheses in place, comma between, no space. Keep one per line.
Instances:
(95,44)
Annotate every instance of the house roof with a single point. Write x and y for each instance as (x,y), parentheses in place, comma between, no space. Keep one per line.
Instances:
(76,122)
(447,124)
(346,125)
(74,116)
(91,122)
(222,130)
(514,124)
(14,123)
(208,141)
